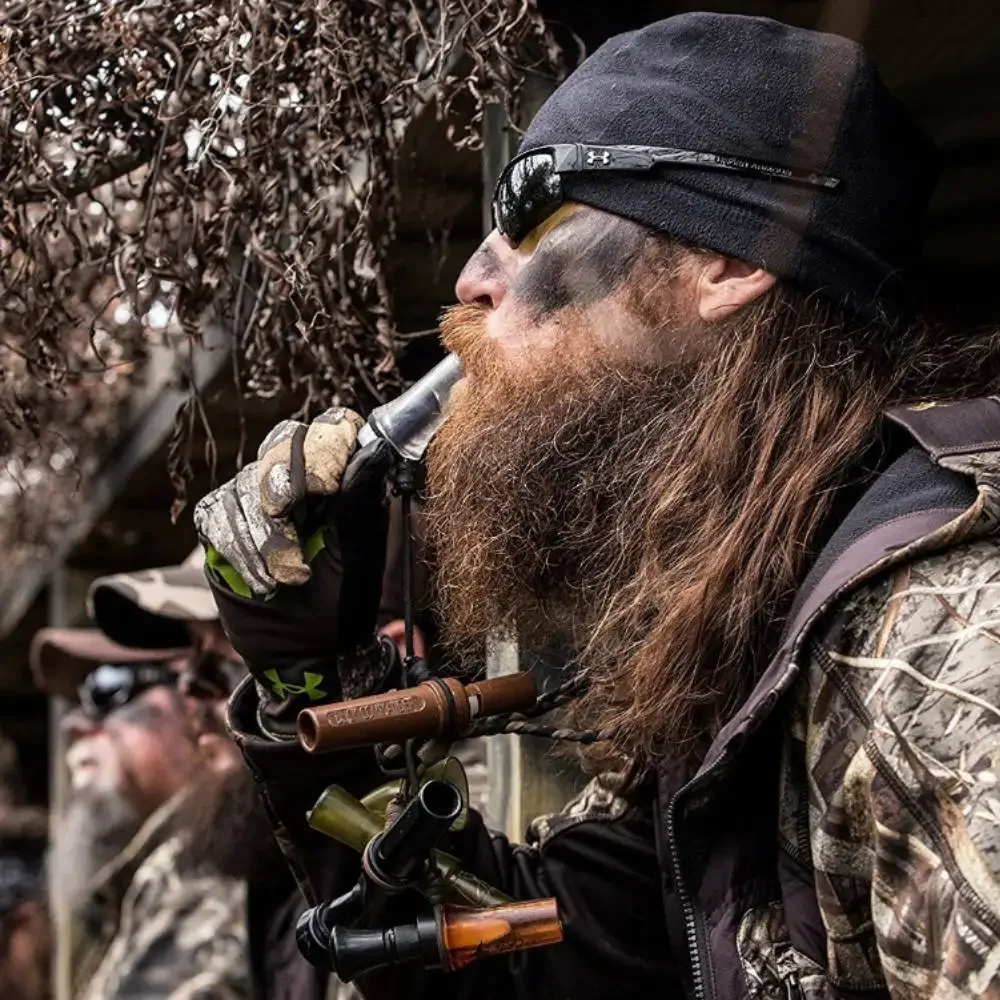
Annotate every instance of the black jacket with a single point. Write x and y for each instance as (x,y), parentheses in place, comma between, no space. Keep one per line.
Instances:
(278,971)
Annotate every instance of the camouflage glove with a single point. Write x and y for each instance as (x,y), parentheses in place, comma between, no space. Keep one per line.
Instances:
(295,546)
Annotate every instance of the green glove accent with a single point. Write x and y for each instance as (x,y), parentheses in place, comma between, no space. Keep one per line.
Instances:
(315,545)
(222,573)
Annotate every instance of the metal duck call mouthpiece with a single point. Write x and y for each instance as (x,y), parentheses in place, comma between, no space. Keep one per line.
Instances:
(408,422)
(438,707)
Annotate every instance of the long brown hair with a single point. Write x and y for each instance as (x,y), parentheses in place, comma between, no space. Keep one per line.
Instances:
(661,522)
(727,526)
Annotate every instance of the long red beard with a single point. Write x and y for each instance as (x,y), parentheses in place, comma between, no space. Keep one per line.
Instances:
(528,480)
(655,522)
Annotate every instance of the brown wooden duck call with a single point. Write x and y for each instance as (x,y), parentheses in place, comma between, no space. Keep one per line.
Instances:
(440,707)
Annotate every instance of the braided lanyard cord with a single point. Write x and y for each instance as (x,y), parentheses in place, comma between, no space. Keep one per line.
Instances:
(520,724)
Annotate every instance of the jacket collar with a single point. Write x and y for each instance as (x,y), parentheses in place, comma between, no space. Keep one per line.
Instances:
(913,509)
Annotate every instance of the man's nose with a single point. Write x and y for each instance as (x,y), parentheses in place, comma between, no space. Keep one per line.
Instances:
(486,276)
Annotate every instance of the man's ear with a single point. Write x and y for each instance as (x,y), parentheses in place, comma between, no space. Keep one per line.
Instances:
(723,286)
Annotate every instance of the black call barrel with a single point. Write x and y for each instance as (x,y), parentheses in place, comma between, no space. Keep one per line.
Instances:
(401,851)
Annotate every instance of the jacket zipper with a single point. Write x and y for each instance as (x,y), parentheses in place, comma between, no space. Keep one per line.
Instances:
(687,904)
(698,976)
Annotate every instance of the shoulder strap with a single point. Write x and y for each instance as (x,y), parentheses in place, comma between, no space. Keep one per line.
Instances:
(963,437)
(943,429)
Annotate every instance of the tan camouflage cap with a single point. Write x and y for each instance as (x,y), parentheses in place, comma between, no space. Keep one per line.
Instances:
(61,657)
(150,609)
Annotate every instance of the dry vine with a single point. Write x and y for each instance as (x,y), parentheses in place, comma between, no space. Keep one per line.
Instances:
(225,158)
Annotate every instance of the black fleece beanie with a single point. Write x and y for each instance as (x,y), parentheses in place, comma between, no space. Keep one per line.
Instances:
(752,87)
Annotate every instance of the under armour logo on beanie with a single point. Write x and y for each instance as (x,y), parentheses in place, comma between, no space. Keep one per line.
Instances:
(752,87)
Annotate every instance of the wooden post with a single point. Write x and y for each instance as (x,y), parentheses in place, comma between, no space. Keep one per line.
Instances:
(503,757)
(62,922)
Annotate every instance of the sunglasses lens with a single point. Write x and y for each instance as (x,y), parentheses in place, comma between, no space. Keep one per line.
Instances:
(110,686)
(528,192)
(107,687)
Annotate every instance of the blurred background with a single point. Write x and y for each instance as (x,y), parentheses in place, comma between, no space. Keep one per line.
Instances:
(210,222)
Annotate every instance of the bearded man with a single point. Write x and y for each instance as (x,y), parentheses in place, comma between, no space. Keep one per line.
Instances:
(206,857)
(155,916)
(671,458)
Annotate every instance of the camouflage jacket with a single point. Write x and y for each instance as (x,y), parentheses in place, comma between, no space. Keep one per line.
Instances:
(891,779)
(165,929)
(888,855)
(841,837)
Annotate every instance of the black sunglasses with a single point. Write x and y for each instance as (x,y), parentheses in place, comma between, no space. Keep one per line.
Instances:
(110,686)
(530,187)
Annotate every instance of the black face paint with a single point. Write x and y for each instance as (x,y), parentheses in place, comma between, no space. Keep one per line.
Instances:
(592,256)
(487,263)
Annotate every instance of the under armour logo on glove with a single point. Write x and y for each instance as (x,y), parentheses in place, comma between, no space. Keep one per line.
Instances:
(310,688)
